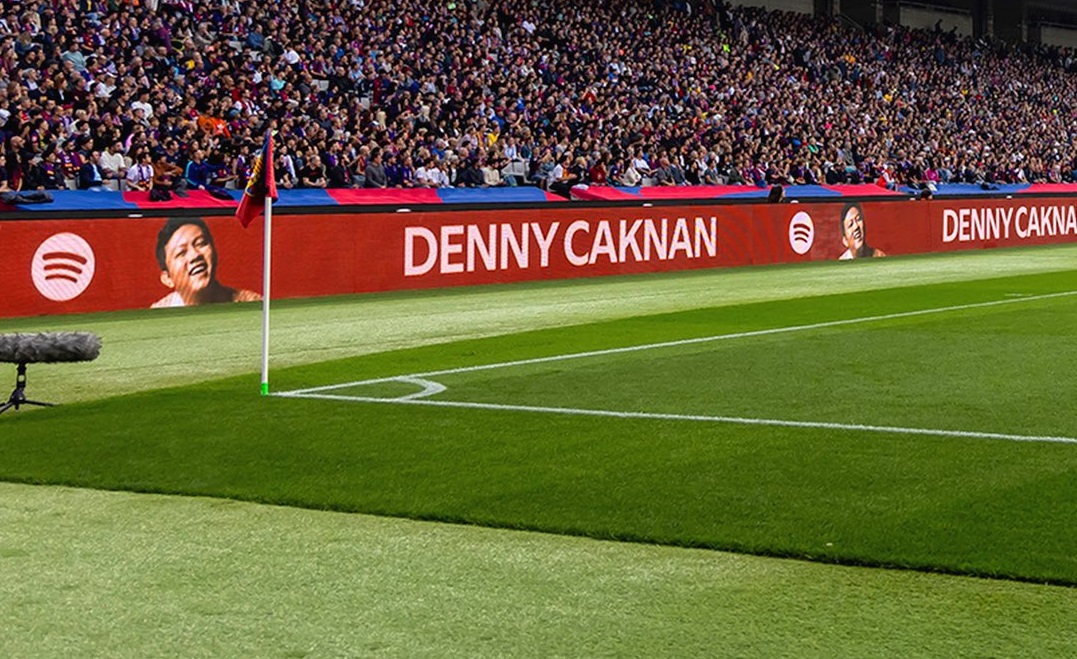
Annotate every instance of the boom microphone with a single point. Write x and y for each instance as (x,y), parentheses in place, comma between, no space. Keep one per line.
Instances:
(49,347)
(43,347)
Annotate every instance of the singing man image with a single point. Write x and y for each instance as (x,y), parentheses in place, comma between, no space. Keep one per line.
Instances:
(188,262)
(853,235)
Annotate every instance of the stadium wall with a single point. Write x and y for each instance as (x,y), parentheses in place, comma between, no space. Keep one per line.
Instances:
(922,17)
(796,6)
(81,264)
(1057,35)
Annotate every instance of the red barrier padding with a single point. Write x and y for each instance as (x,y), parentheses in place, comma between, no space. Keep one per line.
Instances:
(603,193)
(698,191)
(76,265)
(194,199)
(386,196)
(1050,188)
(864,190)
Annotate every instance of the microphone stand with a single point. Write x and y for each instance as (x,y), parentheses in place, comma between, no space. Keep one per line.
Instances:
(18,397)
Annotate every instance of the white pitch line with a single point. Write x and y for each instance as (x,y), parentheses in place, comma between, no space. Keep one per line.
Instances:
(430,388)
(897,430)
(684,342)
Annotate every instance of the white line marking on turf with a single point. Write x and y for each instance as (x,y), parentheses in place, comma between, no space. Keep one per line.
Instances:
(430,388)
(898,430)
(684,342)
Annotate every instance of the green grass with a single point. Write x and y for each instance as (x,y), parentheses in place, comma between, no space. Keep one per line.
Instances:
(966,506)
(151,349)
(95,574)
(986,369)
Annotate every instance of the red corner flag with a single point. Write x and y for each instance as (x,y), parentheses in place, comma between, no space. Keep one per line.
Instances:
(261,185)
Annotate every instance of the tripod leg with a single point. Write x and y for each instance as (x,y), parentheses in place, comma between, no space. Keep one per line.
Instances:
(18,397)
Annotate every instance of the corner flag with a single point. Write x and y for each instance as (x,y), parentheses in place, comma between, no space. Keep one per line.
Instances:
(257,200)
(261,185)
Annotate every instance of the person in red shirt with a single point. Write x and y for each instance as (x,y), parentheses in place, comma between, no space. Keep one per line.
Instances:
(599,172)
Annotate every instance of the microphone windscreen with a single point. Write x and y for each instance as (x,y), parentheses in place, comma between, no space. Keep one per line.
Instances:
(48,347)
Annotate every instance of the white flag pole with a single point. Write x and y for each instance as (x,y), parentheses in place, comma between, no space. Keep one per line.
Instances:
(267,252)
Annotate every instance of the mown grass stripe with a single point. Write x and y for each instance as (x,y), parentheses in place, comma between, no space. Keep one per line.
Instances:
(824,425)
(685,342)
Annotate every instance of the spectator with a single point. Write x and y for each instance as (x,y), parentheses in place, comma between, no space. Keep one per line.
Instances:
(312,175)
(427,175)
(90,176)
(200,175)
(632,82)
(74,56)
(598,173)
(337,173)
(642,166)
(140,175)
(886,178)
(445,174)
(113,165)
(663,174)
(45,173)
(491,174)
(168,177)
(375,172)
(630,176)
(471,175)
(71,161)
(711,173)
(562,178)
(543,170)
(395,173)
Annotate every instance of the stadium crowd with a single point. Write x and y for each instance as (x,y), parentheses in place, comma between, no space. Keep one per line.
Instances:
(136,94)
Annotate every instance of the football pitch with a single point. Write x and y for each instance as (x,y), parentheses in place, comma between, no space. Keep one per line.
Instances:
(825,371)
(910,413)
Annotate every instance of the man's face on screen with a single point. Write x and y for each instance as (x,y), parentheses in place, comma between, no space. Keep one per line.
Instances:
(190,261)
(852,229)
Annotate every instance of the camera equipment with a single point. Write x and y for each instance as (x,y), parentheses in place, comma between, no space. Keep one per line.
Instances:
(44,347)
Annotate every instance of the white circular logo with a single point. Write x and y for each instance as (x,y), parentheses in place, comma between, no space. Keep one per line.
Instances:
(63,267)
(801,233)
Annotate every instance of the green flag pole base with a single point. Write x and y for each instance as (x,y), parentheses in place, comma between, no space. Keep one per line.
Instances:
(265,388)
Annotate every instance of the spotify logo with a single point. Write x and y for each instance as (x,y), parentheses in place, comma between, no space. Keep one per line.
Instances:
(63,267)
(801,233)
